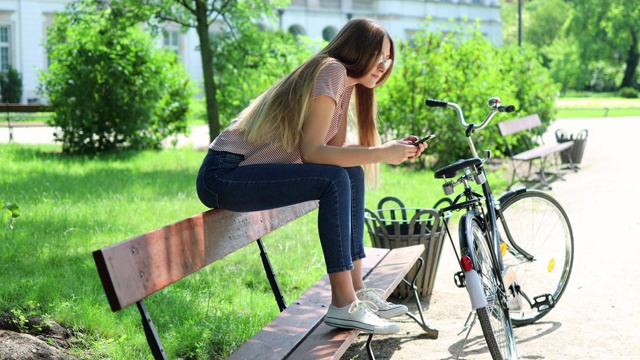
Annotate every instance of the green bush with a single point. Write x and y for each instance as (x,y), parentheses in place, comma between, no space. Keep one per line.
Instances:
(628,93)
(110,85)
(11,86)
(465,68)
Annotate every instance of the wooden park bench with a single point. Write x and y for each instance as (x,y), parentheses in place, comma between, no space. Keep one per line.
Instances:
(136,268)
(528,129)
(10,109)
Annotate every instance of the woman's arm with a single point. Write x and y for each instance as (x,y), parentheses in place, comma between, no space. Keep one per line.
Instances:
(340,139)
(316,126)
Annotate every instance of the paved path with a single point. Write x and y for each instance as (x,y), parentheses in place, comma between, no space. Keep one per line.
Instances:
(597,317)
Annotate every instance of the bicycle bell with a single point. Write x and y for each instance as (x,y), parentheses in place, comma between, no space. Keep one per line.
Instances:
(494,102)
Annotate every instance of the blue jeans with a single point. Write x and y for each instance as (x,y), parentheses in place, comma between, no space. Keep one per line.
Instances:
(221,183)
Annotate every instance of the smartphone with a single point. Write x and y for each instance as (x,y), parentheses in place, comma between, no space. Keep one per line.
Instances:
(427,138)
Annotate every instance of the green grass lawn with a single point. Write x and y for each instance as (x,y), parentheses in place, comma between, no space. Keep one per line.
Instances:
(71,206)
(597,107)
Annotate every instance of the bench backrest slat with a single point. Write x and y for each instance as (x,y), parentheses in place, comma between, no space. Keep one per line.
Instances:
(136,268)
(516,125)
(24,108)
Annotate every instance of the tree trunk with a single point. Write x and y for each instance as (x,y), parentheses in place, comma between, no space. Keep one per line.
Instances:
(206,54)
(633,57)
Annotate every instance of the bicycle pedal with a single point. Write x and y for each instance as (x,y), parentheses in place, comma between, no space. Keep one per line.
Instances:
(458,279)
(543,302)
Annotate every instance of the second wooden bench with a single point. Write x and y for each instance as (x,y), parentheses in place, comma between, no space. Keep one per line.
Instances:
(534,152)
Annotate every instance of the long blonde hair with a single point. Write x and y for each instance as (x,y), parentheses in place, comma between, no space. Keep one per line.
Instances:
(282,109)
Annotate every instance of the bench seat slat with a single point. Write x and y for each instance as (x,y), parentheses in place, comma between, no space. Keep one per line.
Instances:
(132,270)
(326,342)
(542,151)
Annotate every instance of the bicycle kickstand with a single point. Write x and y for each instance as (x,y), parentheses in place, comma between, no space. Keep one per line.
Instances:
(468,328)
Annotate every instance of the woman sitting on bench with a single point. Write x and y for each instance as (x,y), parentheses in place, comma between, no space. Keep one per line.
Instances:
(290,146)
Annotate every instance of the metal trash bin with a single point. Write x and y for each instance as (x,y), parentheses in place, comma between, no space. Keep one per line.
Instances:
(392,228)
(577,150)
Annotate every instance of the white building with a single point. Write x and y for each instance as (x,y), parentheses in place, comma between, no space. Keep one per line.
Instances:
(23,25)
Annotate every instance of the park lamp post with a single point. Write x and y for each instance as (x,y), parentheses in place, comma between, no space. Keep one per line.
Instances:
(280,13)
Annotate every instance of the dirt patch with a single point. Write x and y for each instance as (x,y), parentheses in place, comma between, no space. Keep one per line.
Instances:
(30,338)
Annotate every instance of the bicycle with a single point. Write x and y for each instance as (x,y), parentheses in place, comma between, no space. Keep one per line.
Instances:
(516,253)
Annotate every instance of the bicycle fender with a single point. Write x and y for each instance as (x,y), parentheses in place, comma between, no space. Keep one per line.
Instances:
(463,228)
(511,193)
(472,280)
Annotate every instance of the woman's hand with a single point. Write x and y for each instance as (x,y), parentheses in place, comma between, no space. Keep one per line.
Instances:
(420,147)
(397,151)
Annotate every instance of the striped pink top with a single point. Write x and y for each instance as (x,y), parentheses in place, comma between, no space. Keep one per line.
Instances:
(331,81)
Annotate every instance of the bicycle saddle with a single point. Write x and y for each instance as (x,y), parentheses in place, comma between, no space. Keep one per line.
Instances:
(450,171)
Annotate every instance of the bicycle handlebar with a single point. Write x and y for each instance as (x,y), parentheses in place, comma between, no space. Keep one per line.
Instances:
(494,104)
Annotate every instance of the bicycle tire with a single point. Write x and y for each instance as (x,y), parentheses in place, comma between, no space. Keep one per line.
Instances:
(494,317)
(538,226)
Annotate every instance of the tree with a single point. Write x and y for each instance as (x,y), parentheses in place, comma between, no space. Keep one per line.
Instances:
(545,21)
(509,18)
(109,84)
(229,16)
(609,31)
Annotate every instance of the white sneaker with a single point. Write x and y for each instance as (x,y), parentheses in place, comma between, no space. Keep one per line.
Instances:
(359,316)
(386,309)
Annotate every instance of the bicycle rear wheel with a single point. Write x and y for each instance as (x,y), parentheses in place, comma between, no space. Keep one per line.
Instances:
(538,253)
(494,318)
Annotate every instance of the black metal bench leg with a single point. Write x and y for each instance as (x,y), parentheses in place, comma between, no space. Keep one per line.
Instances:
(431,332)
(10,127)
(369,349)
(273,281)
(150,331)
(543,177)
(513,175)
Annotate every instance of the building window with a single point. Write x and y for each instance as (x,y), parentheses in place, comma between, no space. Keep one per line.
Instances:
(363,4)
(171,40)
(300,3)
(5,49)
(330,4)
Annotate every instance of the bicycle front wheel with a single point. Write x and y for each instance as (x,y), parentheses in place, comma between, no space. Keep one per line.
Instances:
(537,252)
(494,317)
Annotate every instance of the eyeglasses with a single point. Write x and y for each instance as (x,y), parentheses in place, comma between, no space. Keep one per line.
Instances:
(384,64)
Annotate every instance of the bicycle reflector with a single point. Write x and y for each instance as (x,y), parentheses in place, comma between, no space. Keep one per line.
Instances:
(466,263)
